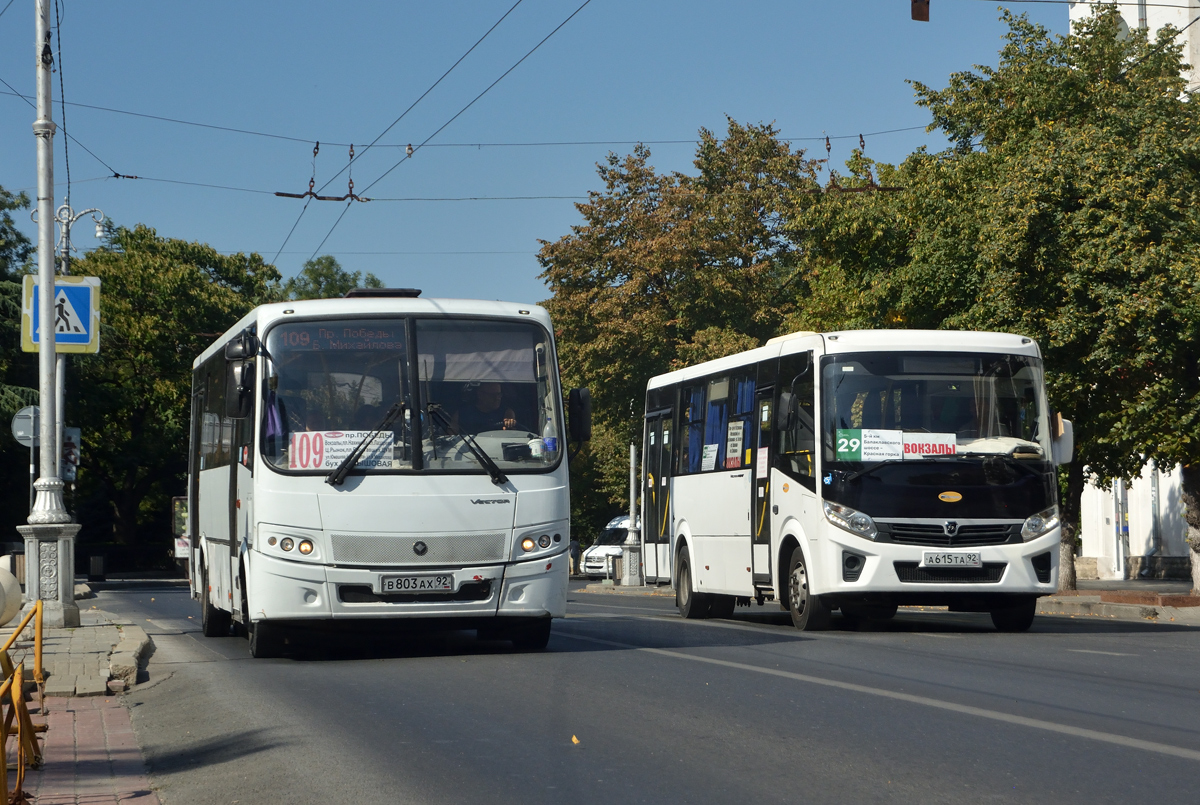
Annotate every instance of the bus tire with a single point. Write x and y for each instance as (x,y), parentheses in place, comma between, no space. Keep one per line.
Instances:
(692,605)
(265,640)
(722,606)
(214,622)
(1016,618)
(534,637)
(809,612)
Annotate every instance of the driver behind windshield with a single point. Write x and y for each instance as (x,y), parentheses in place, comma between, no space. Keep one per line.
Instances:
(483,412)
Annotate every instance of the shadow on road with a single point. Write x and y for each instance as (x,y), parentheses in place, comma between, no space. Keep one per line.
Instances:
(211,752)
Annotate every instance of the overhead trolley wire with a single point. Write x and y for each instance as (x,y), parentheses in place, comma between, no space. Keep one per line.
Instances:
(73,138)
(394,122)
(409,153)
(531,144)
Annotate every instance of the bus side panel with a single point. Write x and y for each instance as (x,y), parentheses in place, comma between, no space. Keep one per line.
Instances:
(242,519)
(799,518)
(716,506)
(213,521)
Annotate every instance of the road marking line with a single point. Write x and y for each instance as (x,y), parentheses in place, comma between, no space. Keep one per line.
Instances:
(1106,653)
(994,715)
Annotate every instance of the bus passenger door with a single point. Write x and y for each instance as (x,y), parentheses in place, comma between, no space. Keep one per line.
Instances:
(760,504)
(656,498)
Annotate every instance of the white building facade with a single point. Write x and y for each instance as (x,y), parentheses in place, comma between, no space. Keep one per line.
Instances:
(1136,529)
(1153,16)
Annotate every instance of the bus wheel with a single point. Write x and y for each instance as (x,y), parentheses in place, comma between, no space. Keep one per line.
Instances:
(265,640)
(214,622)
(809,613)
(1016,618)
(532,638)
(691,604)
(722,606)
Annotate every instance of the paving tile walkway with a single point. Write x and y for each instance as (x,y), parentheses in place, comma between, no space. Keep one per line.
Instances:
(91,755)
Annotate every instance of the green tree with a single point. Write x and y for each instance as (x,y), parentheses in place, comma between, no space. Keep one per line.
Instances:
(668,269)
(18,370)
(163,301)
(324,278)
(1065,210)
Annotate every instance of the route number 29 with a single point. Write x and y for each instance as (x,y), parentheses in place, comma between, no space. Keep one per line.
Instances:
(845,445)
(307,451)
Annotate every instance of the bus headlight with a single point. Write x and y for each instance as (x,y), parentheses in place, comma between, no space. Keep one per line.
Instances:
(1039,524)
(851,520)
(286,543)
(306,547)
(527,544)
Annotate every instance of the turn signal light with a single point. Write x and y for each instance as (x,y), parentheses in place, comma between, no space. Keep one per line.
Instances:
(286,543)
(527,544)
(306,547)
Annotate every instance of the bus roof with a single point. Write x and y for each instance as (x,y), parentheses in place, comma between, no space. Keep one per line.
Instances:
(861,341)
(265,315)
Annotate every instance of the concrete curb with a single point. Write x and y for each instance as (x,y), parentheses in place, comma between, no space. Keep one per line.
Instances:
(1093,606)
(127,655)
(616,589)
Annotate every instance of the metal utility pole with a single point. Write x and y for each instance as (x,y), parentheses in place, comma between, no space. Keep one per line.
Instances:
(50,535)
(631,561)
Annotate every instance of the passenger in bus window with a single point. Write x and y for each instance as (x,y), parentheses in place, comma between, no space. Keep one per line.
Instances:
(485,411)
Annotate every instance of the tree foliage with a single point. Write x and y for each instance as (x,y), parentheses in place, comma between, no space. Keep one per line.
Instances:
(668,269)
(163,301)
(324,278)
(18,370)
(1065,210)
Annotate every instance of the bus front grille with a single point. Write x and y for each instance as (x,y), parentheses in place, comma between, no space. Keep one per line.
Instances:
(439,549)
(934,535)
(912,573)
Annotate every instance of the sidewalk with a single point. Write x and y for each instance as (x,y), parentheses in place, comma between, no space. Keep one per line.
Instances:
(90,752)
(1161,600)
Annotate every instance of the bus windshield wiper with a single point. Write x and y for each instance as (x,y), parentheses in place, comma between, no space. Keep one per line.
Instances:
(338,475)
(493,471)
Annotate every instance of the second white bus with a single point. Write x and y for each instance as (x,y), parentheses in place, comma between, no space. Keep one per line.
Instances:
(856,471)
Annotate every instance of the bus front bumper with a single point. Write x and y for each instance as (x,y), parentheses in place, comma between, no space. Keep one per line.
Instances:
(297,591)
(1027,568)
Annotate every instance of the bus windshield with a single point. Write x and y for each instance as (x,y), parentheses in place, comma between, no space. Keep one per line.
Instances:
(910,406)
(901,428)
(330,384)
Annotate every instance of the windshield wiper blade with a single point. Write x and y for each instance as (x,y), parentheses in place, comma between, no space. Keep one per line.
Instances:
(493,471)
(338,475)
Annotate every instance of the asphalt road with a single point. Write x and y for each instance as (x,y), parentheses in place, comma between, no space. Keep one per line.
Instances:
(932,707)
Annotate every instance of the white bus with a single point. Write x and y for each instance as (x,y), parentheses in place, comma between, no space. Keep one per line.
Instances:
(381,456)
(856,471)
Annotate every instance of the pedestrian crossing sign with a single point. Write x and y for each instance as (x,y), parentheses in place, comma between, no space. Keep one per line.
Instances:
(76,314)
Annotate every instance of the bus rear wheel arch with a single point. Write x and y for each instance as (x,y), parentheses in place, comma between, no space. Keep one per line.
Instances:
(692,605)
(214,622)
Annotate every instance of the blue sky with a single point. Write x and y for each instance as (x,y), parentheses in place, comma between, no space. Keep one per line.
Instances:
(618,72)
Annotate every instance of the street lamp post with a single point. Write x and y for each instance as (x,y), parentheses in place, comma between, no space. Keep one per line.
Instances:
(66,218)
(50,535)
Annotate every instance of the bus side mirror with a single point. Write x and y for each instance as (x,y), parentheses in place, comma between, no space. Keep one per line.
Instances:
(579,415)
(245,345)
(239,389)
(1062,446)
